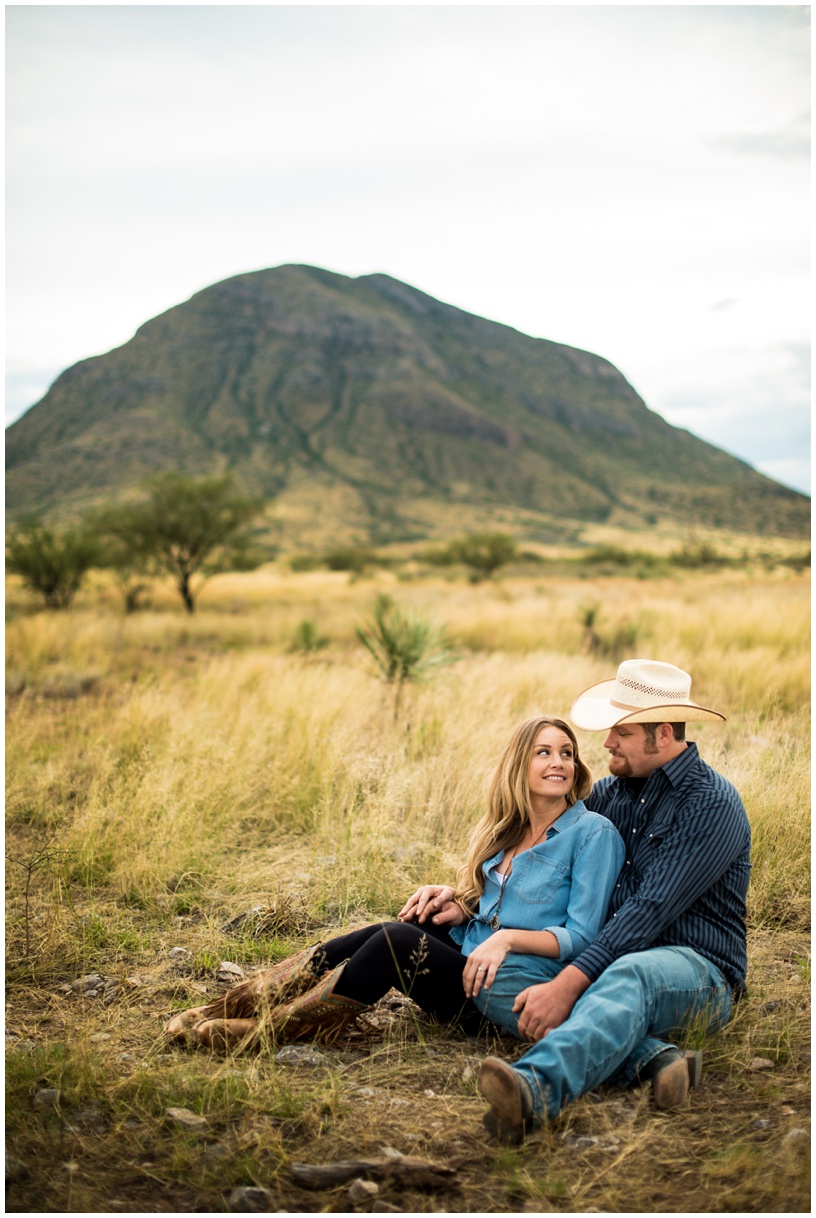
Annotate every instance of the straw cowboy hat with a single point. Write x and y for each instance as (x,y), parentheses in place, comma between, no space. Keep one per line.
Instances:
(642,691)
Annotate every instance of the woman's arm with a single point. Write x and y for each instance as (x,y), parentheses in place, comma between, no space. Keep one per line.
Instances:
(594,872)
(484,961)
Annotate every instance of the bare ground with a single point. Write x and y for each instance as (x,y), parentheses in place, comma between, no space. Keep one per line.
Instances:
(90,1082)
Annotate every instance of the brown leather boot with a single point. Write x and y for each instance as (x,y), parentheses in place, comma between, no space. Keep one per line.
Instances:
(319,1012)
(181,1025)
(263,990)
(226,1033)
(672,1074)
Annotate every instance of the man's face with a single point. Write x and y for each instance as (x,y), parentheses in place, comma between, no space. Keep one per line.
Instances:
(631,753)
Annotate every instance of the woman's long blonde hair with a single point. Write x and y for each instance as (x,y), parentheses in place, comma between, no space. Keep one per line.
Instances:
(508,805)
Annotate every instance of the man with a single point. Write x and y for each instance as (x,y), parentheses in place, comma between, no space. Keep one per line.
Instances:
(673,946)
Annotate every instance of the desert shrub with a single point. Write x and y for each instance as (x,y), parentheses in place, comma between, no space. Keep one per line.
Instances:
(51,562)
(695,554)
(304,562)
(350,558)
(483,553)
(307,638)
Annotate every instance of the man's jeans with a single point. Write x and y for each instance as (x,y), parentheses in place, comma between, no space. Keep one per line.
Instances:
(613,1030)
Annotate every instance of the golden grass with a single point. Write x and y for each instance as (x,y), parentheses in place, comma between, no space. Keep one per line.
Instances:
(176,770)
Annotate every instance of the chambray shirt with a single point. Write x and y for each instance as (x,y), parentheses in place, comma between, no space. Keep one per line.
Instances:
(685,876)
(562,885)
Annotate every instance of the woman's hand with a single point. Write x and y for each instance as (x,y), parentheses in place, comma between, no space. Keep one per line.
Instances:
(434,901)
(483,963)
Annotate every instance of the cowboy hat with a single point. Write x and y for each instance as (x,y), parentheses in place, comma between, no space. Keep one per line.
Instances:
(642,691)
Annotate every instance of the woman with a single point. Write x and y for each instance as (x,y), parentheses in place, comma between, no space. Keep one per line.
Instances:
(536,884)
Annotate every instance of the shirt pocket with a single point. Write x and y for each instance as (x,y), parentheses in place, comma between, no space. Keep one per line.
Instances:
(542,881)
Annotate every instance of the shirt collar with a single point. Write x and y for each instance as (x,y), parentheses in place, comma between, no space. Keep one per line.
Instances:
(679,766)
(567,818)
(564,821)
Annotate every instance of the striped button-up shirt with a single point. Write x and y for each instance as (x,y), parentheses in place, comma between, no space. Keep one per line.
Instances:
(685,876)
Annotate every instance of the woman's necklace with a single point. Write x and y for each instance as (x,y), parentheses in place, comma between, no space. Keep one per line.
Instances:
(495,924)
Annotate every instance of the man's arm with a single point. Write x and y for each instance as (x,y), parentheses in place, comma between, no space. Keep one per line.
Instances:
(545,1006)
(706,836)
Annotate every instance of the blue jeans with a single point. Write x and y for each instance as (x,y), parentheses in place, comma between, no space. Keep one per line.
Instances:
(614,1028)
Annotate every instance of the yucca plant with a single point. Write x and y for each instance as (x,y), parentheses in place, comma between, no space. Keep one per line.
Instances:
(405,646)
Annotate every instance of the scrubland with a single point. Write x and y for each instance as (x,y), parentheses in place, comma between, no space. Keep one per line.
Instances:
(166,773)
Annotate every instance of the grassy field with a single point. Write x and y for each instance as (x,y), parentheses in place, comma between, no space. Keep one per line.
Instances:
(166,773)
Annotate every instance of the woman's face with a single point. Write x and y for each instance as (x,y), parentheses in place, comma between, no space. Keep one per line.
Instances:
(552,764)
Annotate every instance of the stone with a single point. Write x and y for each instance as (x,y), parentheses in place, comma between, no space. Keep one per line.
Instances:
(361,1191)
(796,1138)
(216,1150)
(250,1200)
(87,1120)
(227,971)
(300,1055)
(99,1037)
(760,1063)
(178,953)
(19,1047)
(47,1098)
(585,1141)
(92,981)
(186,1118)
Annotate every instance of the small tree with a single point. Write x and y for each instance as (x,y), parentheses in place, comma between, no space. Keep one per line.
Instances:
(405,646)
(187,527)
(132,571)
(484,553)
(51,562)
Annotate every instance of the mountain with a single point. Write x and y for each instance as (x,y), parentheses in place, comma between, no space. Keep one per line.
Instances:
(368,410)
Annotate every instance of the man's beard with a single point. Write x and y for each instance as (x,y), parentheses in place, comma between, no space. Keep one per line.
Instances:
(620,767)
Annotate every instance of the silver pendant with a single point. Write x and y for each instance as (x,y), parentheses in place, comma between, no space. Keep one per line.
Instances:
(495,924)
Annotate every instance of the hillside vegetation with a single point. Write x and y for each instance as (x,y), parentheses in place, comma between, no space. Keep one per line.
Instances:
(365,407)
(168,773)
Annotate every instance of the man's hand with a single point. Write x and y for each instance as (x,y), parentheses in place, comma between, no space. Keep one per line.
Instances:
(434,901)
(543,1007)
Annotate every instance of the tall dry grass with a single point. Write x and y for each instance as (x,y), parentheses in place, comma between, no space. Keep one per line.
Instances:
(159,745)
(165,772)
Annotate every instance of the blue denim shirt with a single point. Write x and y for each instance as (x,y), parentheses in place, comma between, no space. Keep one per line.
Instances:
(562,885)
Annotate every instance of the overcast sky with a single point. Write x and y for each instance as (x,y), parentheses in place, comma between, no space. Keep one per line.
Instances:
(632,180)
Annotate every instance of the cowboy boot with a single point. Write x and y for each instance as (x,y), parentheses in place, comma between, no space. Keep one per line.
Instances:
(181,1025)
(319,1012)
(672,1074)
(264,988)
(226,1033)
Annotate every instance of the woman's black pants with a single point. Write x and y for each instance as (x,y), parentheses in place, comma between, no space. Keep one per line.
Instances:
(420,961)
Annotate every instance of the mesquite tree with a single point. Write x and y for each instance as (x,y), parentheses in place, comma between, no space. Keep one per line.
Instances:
(188,527)
(52,562)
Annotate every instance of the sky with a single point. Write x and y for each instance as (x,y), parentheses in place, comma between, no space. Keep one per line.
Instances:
(631,180)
